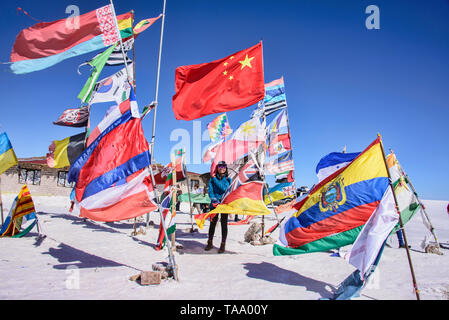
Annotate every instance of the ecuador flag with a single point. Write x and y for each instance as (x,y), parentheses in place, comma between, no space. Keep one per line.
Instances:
(337,208)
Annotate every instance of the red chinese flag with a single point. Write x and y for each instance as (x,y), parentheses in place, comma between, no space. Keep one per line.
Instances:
(231,83)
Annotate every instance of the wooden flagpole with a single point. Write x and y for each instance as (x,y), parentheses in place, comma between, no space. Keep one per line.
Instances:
(432,230)
(415,285)
(167,241)
(157,84)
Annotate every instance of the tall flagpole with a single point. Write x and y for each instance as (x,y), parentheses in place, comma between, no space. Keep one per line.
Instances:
(157,83)
(120,39)
(415,285)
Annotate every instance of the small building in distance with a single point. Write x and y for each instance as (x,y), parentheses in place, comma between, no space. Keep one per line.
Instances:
(45,181)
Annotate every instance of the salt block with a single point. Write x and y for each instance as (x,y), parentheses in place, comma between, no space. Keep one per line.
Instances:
(150,277)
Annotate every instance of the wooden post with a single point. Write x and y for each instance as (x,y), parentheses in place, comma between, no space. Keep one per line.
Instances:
(415,285)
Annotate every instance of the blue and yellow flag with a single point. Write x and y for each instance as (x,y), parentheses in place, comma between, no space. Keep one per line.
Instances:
(7,156)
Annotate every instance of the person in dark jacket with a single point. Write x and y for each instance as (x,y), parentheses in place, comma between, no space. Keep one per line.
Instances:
(218,184)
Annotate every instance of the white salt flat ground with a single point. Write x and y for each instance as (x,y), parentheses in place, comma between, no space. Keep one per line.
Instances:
(91,260)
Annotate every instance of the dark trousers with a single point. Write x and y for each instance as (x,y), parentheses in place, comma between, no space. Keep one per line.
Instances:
(224,226)
(400,237)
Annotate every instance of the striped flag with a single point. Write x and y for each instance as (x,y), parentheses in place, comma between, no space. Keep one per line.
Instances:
(62,153)
(128,198)
(7,155)
(169,221)
(22,210)
(119,150)
(332,214)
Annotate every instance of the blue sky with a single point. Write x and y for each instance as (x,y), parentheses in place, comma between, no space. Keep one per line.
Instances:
(344,83)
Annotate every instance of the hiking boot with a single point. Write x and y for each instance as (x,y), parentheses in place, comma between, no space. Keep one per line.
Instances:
(209,245)
(222,248)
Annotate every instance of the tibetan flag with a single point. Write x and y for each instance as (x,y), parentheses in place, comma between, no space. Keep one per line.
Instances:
(144,24)
(22,209)
(279,134)
(62,153)
(219,128)
(249,136)
(407,202)
(336,209)
(128,198)
(77,117)
(48,43)
(231,83)
(333,162)
(118,152)
(97,64)
(7,155)
(169,222)
(282,191)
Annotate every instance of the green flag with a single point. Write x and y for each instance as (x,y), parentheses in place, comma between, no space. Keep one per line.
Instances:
(97,63)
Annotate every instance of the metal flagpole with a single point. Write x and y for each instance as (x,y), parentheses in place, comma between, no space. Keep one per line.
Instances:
(120,39)
(134,54)
(415,285)
(157,83)
(432,230)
